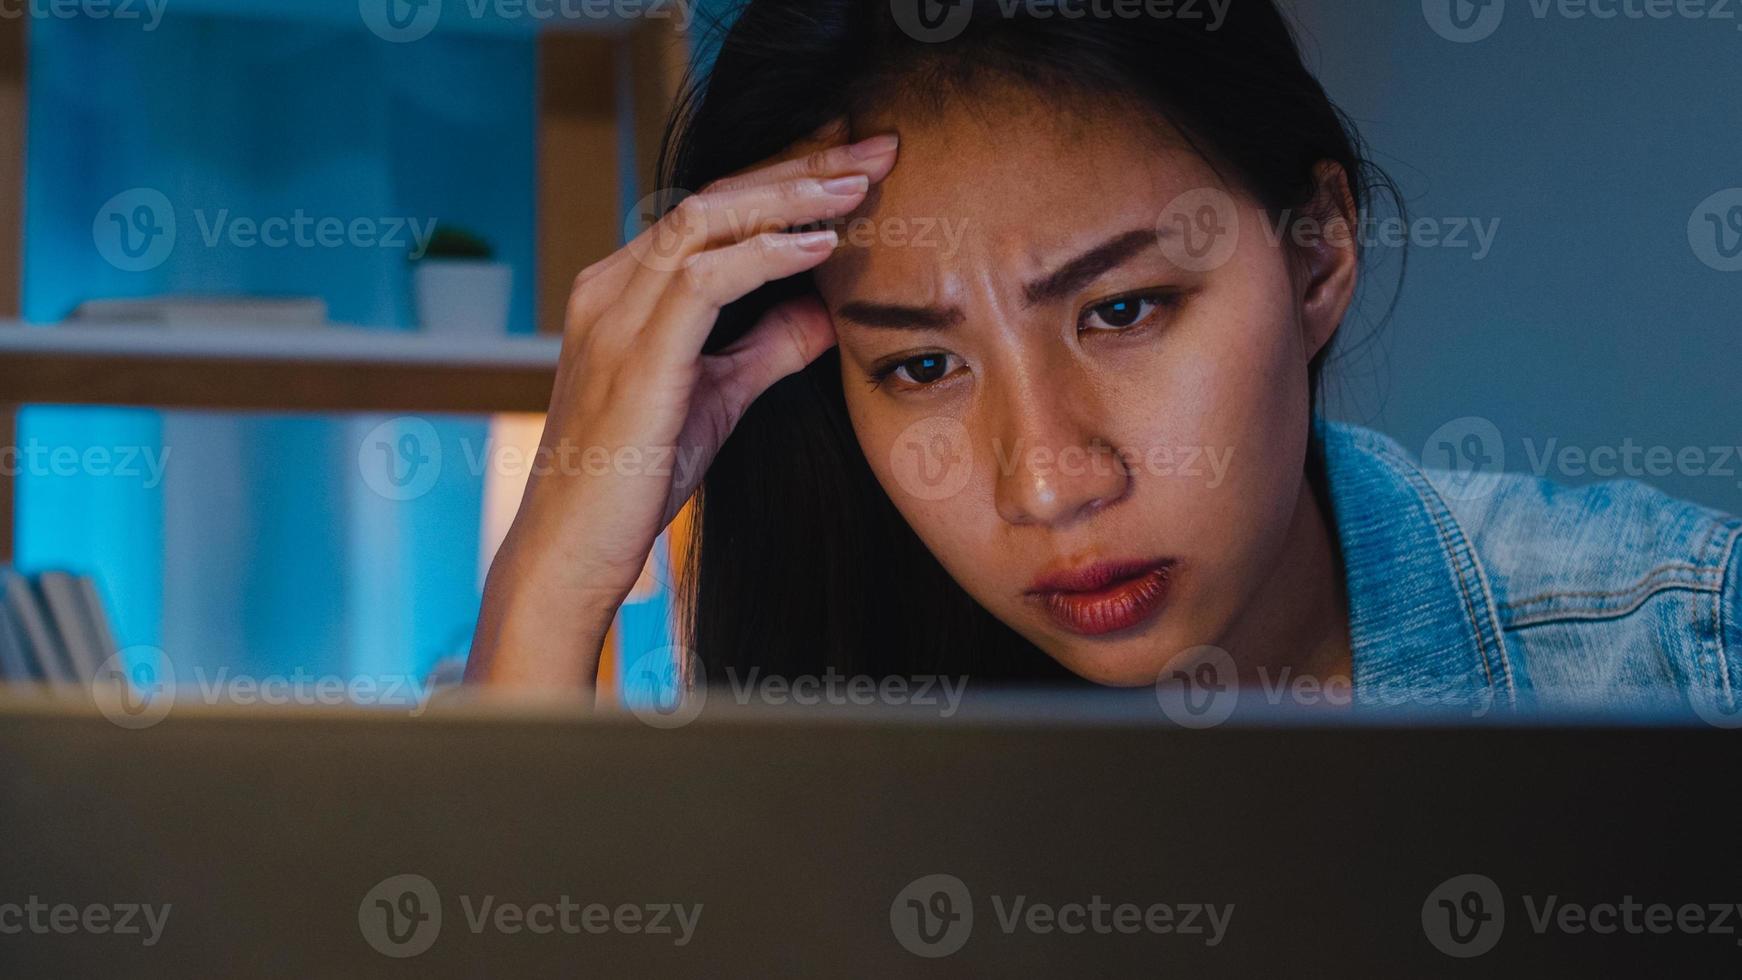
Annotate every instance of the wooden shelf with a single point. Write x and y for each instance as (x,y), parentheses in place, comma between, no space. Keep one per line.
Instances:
(600,82)
(295,369)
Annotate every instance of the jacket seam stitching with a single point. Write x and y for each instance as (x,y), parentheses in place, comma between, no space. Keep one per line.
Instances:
(1731,548)
(1598,615)
(1427,495)
(1645,583)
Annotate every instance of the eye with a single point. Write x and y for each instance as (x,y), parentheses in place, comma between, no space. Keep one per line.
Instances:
(916,370)
(924,369)
(1124,312)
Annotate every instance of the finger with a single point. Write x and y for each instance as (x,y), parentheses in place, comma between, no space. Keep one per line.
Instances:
(874,157)
(638,273)
(720,276)
(695,225)
(722,217)
(797,191)
(719,218)
(785,341)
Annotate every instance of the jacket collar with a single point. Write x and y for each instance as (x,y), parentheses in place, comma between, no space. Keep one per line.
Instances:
(1422,619)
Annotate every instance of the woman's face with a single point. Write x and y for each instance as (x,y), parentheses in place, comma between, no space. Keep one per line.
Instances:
(1079,368)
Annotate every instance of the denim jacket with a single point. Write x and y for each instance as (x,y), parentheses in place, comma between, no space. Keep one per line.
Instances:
(1508,591)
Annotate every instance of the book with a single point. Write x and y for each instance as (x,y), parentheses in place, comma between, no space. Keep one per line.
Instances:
(15,661)
(42,644)
(98,618)
(68,614)
(215,311)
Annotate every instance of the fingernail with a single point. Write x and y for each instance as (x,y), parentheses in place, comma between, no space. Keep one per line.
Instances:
(876,146)
(816,241)
(847,186)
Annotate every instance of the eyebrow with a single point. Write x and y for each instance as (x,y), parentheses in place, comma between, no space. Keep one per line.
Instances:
(1067,279)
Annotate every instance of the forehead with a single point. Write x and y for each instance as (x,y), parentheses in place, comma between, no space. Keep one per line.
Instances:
(1007,182)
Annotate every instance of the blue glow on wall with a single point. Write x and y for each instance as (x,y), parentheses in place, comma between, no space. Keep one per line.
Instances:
(262,549)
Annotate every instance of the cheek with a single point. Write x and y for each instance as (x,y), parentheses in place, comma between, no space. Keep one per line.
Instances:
(1221,404)
(927,466)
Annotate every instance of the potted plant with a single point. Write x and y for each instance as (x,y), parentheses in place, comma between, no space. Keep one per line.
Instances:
(460,286)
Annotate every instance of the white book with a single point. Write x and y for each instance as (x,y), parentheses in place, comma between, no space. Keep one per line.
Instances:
(215,311)
(27,612)
(66,613)
(15,666)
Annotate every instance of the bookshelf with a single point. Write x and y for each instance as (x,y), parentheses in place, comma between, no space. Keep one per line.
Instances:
(243,368)
(601,83)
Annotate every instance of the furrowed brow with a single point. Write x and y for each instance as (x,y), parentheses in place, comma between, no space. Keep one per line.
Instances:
(894,316)
(1089,266)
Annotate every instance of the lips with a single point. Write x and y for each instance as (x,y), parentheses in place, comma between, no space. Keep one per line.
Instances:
(1106,597)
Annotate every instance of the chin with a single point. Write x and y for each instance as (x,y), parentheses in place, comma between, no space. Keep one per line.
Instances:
(1133,662)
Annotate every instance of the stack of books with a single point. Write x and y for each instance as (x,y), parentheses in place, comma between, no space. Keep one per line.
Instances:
(213,311)
(53,629)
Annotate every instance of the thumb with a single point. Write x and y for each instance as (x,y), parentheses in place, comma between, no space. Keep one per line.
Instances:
(785,341)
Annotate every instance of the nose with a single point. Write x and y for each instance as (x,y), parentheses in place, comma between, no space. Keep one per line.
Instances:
(1054,469)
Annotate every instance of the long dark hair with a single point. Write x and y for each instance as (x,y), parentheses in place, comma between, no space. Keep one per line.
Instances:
(799,563)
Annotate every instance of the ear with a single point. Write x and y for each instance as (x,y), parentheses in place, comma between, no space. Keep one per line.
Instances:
(1329,264)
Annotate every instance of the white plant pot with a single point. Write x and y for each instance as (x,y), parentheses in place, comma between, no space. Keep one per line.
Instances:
(463,295)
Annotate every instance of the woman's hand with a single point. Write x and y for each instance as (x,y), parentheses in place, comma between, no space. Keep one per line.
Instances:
(638,412)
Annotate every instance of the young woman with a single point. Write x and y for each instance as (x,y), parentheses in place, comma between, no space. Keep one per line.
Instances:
(1072,431)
